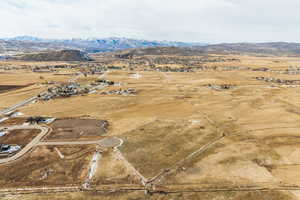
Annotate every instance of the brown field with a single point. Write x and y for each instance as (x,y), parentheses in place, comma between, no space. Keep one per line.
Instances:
(177,196)
(177,127)
(19,137)
(113,171)
(13,121)
(6,88)
(43,167)
(166,143)
(76,129)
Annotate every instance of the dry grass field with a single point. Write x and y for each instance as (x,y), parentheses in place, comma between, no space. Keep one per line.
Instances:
(140,195)
(179,132)
(43,167)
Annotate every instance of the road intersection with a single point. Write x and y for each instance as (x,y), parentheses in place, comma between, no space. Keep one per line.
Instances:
(109,142)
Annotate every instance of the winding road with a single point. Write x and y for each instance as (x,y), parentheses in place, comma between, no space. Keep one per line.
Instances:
(109,142)
(28,147)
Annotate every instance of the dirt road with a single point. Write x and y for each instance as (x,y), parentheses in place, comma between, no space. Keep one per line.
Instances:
(106,142)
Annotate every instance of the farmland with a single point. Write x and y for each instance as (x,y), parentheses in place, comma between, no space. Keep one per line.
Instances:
(209,129)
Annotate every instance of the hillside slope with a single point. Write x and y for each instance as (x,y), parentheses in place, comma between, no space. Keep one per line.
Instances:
(273,48)
(64,55)
(261,49)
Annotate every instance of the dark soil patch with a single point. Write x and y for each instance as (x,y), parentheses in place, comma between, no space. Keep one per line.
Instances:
(6,88)
(19,137)
(77,128)
(14,121)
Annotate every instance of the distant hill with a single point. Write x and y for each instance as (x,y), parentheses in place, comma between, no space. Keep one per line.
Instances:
(92,45)
(14,47)
(64,55)
(258,49)
(180,51)
(27,44)
(273,48)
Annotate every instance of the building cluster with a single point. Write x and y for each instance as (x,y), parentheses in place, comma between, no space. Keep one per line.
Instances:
(8,149)
(222,68)
(3,133)
(180,60)
(278,81)
(98,69)
(64,90)
(196,68)
(290,71)
(220,87)
(124,92)
(103,82)
(39,119)
(169,69)
(74,88)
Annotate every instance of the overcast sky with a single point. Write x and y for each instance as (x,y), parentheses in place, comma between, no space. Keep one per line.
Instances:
(177,20)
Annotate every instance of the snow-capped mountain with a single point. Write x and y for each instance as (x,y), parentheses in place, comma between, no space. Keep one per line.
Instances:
(89,45)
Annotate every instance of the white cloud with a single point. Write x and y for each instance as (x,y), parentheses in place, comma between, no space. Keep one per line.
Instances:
(188,20)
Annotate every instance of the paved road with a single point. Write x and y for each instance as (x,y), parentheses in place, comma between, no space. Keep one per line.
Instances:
(13,108)
(26,149)
(110,142)
(27,101)
(106,142)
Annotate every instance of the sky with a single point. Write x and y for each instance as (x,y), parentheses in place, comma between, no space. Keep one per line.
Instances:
(210,21)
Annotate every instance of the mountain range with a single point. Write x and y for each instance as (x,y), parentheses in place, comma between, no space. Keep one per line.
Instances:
(29,44)
(90,45)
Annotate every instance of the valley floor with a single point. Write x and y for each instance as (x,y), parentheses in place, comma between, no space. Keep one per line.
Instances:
(184,135)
